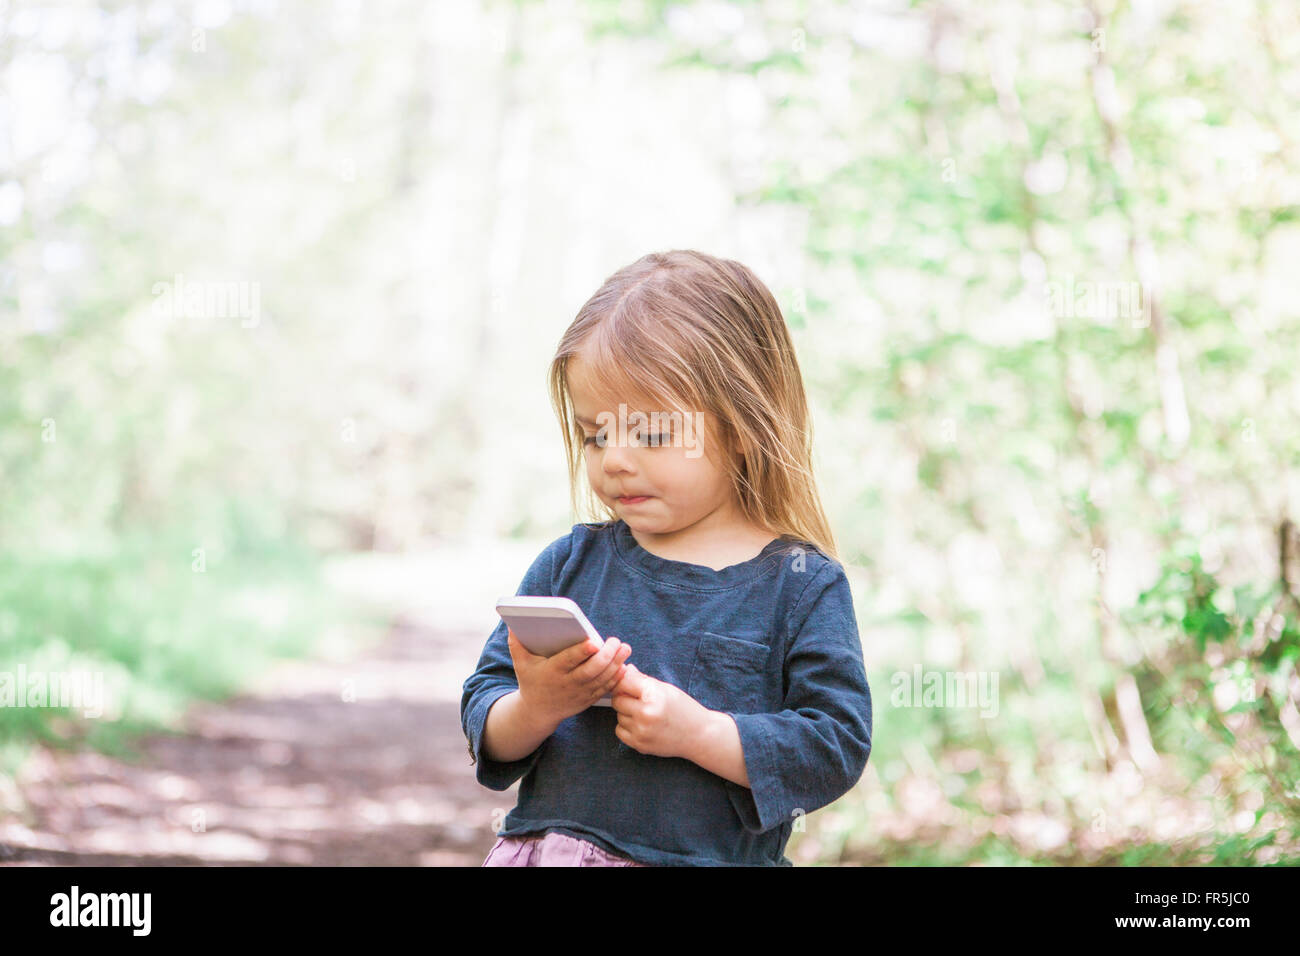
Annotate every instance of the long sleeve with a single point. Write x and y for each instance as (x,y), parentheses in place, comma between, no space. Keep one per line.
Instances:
(816,748)
(494,677)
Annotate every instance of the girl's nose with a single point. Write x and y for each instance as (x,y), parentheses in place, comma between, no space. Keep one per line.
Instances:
(616,459)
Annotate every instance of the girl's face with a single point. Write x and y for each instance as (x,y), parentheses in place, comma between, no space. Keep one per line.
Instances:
(655,488)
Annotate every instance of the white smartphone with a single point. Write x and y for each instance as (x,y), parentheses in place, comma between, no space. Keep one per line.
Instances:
(547,625)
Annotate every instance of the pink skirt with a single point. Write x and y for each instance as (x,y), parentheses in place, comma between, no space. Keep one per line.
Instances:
(551,849)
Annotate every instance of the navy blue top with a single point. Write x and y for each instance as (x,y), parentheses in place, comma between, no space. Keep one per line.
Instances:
(772,641)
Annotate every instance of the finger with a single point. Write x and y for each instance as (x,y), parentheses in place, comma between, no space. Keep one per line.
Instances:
(614,669)
(607,683)
(575,656)
(627,682)
(634,682)
(594,667)
(622,669)
(621,702)
(612,684)
(628,737)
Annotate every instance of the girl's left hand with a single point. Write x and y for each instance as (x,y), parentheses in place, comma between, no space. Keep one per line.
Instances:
(655,717)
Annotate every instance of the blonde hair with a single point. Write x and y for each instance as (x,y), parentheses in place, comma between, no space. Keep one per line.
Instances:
(692,331)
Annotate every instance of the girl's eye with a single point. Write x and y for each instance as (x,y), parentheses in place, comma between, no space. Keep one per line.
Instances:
(647,441)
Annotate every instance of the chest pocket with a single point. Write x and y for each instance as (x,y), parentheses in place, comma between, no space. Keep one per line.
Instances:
(730,674)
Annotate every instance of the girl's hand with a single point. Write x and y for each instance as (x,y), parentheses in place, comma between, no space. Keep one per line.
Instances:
(655,717)
(554,688)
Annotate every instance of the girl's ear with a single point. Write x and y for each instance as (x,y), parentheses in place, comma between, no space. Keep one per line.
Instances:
(733,444)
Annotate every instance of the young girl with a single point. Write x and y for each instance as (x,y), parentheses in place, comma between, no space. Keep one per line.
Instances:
(740,698)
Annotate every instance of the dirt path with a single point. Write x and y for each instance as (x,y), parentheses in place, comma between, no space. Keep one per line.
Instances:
(290,773)
(293,773)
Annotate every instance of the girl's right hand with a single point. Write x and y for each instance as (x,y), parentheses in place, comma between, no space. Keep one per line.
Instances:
(557,687)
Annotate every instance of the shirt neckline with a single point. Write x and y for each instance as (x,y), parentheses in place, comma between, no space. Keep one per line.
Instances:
(697,576)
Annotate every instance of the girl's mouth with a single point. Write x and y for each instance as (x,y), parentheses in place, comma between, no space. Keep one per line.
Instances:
(634,500)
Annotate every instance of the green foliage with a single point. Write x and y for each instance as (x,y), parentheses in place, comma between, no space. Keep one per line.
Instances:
(974,166)
(1082,502)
